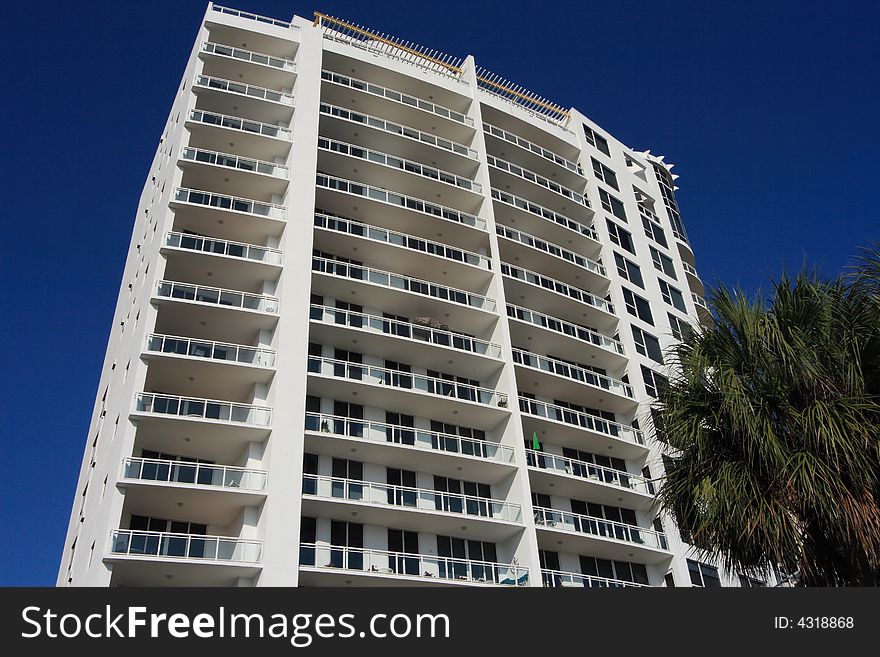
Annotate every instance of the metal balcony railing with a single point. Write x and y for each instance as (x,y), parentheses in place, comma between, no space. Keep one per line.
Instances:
(196,547)
(700,301)
(243,125)
(224,248)
(534,178)
(569,371)
(551,249)
(234,162)
(242,89)
(254,17)
(553,285)
(559,578)
(540,409)
(250,56)
(217,296)
(566,328)
(233,353)
(543,213)
(204,409)
(585,470)
(199,474)
(611,529)
(690,269)
(537,149)
(232,203)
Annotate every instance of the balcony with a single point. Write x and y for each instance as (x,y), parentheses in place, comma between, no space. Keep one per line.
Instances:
(229,63)
(335,566)
(203,169)
(562,579)
(506,174)
(550,258)
(568,428)
(560,475)
(694,281)
(402,295)
(566,339)
(598,537)
(411,255)
(555,297)
(433,348)
(396,106)
(451,401)
(542,222)
(243,219)
(144,558)
(215,494)
(534,155)
(703,311)
(411,509)
(202,410)
(382,207)
(346,125)
(561,380)
(409,447)
(408,176)
(214,131)
(218,95)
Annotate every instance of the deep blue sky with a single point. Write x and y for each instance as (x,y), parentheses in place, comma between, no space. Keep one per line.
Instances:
(769,109)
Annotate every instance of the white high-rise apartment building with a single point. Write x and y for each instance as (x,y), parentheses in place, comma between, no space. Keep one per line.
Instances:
(386,318)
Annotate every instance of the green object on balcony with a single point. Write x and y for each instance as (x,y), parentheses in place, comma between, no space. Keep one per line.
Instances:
(535,444)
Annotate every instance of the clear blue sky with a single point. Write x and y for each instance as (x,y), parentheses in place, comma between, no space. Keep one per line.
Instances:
(769,109)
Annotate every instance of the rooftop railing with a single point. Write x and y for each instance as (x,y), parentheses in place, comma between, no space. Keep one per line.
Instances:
(406,330)
(523,98)
(232,203)
(249,90)
(234,162)
(573,372)
(233,353)
(237,123)
(217,296)
(370,492)
(541,181)
(550,248)
(254,17)
(619,531)
(594,423)
(195,547)
(559,578)
(553,285)
(532,147)
(224,248)
(419,439)
(585,470)
(205,409)
(566,328)
(244,55)
(543,213)
(193,473)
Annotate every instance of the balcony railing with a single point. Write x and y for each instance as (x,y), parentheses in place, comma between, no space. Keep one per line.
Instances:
(566,328)
(406,330)
(393,162)
(232,203)
(585,470)
(559,578)
(407,564)
(240,88)
(569,371)
(237,123)
(700,301)
(532,177)
(254,17)
(575,522)
(423,499)
(224,247)
(199,474)
(396,96)
(420,439)
(233,353)
(525,144)
(400,282)
(399,200)
(217,296)
(196,547)
(690,269)
(543,213)
(551,284)
(551,249)
(234,162)
(243,55)
(205,409)
(397,129)
(411,242)
(594,423)
(372,374)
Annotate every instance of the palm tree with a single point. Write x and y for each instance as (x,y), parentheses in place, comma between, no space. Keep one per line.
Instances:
(773,420)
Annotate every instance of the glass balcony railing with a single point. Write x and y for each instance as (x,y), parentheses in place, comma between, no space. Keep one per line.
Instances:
(393,162)
(566,328)
(240,88)
(421,439)
(559,578)
(230,353)
(199,474)
(205,409)
(232,203)
(541,181)
(234,162)
(397,129)
(407,330)
(689,269)
(585,470)
(543,213)
(411,242)
(195,547)
(224,247)
(551,249)
(540,409)
(423,499)
(396,96)
(573,372)
(243,125)
(248,56)
(217,296)
(700,301)
(254,17)
(575,522)
(525,144)
(553,285)
(371,374)
(399,200)
(408,564)
(400,282)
